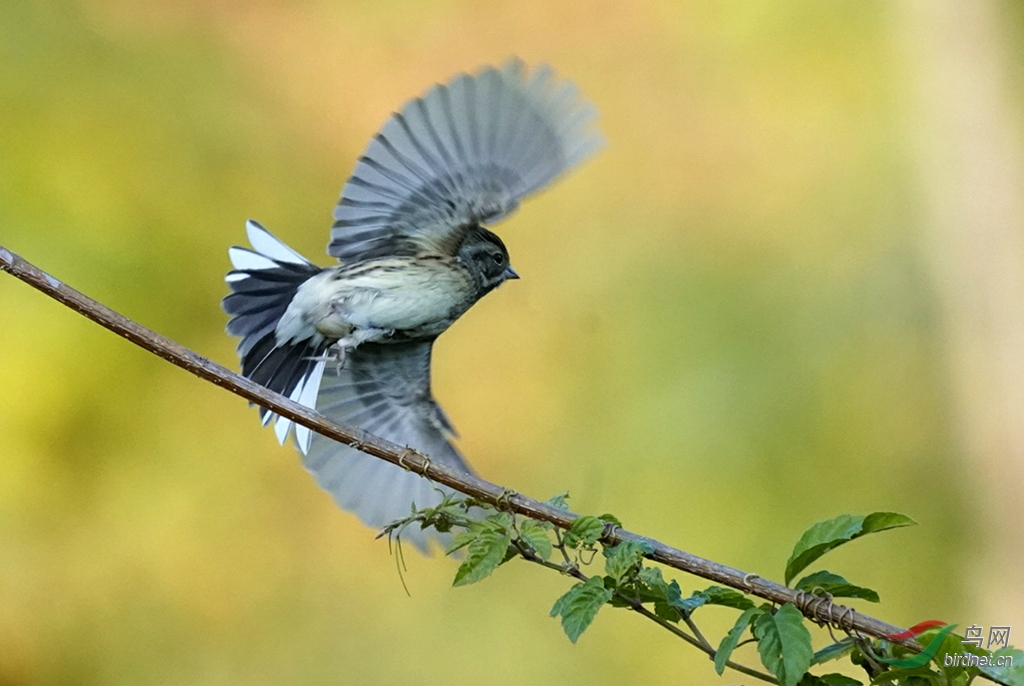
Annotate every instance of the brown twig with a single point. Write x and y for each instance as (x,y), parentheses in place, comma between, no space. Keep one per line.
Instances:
(400,455)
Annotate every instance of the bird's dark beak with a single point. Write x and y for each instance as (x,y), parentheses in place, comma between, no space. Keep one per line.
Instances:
(510,273)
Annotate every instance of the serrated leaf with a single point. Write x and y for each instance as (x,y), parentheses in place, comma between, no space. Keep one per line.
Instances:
(611,519)
(536,536)
(835,585)
(588,529)
(580,605)
(585,530)
(501,520)
(669,613)
(486,551)
(624,559)
(1012,675)
(511,553)
(831,533)
(665,595)
(784,644)
(728,643)
(556,609)
(657,587)
(461,540)
(833,651)
(829,680)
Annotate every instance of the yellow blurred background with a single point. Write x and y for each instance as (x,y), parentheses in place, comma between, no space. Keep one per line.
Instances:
(791,287)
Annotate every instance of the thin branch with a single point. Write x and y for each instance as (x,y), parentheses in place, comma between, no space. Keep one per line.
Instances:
(706,645)
(822,612)
(703,645)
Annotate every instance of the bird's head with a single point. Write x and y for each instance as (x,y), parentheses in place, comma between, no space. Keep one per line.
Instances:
(485,256)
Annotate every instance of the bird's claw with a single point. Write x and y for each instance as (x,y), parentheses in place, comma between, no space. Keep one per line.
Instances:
(333,354)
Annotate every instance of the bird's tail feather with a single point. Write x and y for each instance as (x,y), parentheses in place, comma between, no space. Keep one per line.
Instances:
(263,282)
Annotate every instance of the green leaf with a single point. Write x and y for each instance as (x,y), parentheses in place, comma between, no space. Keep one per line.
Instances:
(833,651)
(961,679)
(624,559)
(883,521)
(715,595)
(556,609)
(462,539)
(819,539)
(585,531)
(655,587)
(501,520)
(1013,675)
(836,679)
(784,644)
(497,521)
(692,602)
(561,501)
(665,595)
(486,551)
(824,536)
(829,680)
(511,553)
(611,519)
(537,537)
(728,643)
(719,595)
(835,585)
(667,611)
(904,675)
(580,605)
(618,601)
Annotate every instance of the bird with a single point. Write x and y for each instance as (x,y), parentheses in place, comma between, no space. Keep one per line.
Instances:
(353,341)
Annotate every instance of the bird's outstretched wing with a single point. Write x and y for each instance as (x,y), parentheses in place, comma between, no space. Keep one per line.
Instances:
(463,154)
(385,390)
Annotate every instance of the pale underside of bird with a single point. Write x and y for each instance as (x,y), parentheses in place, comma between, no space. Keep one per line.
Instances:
(354,341)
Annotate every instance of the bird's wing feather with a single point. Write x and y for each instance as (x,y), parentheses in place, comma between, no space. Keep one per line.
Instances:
(385,390)
(463,154)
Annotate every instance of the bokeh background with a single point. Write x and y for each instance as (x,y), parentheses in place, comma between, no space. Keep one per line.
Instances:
(791,287)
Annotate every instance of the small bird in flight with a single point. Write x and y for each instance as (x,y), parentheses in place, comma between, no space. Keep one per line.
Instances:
(353,340)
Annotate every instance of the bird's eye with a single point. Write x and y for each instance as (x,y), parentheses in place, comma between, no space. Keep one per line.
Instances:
(498,258)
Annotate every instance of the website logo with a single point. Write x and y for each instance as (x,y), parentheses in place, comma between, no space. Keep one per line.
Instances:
(926,655)
(998,637)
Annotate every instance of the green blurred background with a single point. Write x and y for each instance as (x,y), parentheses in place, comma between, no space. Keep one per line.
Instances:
(786,290)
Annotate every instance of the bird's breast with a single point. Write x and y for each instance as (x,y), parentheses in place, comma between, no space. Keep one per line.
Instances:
(418,296)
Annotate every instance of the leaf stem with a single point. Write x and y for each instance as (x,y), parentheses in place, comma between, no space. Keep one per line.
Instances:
(696,632)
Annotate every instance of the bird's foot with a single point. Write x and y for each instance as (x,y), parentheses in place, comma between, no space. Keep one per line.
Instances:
(338,352)
(335,354)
